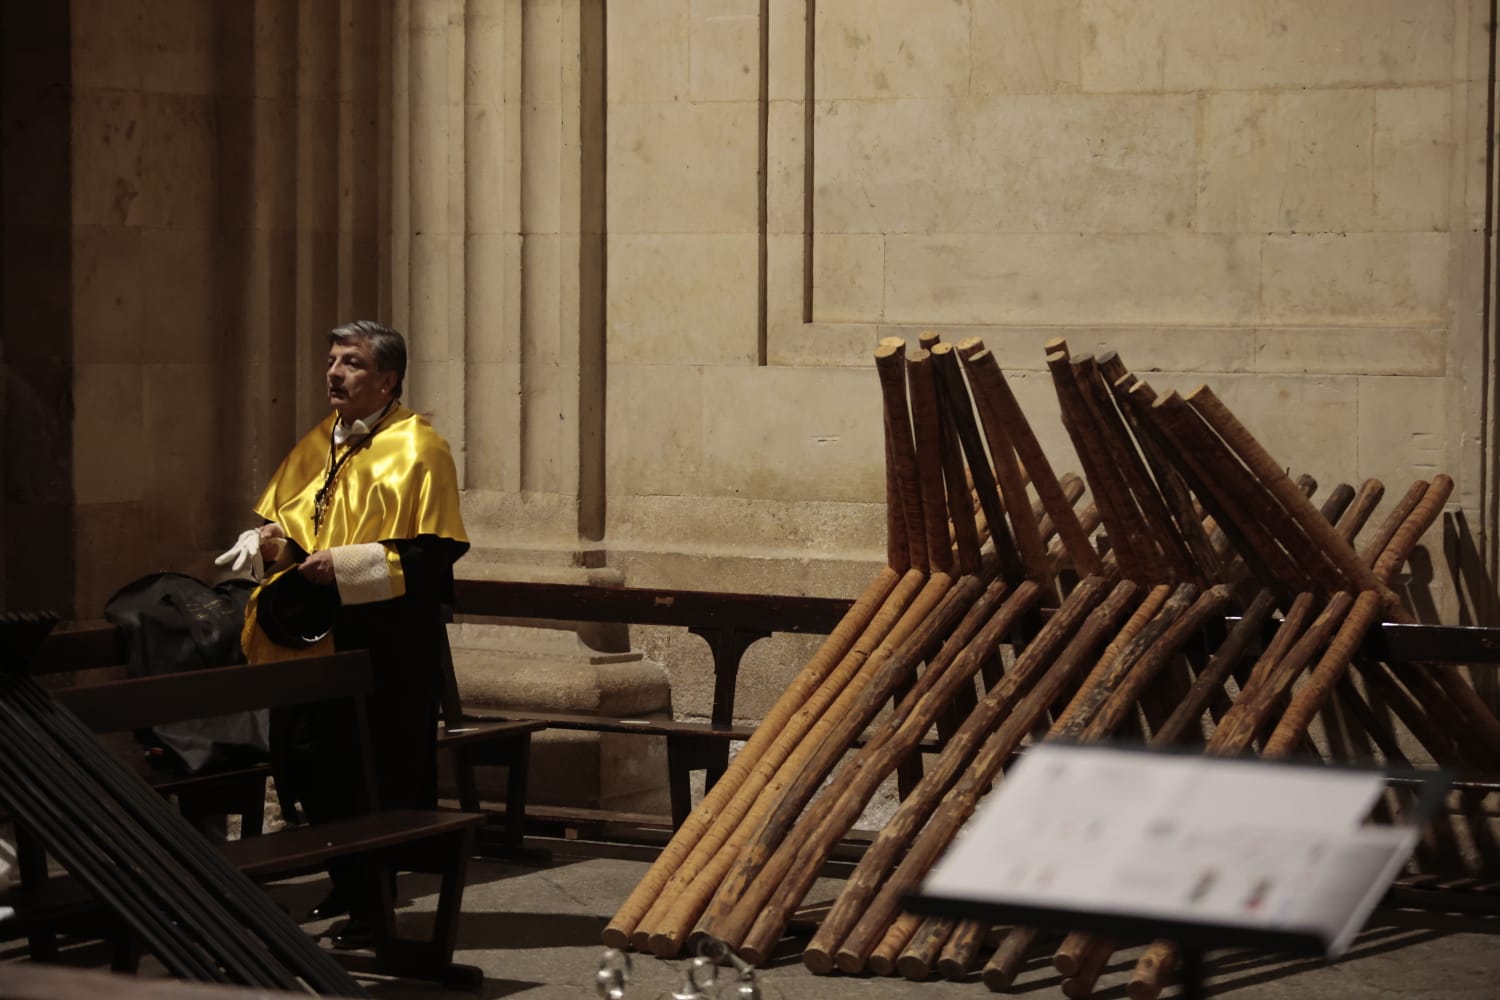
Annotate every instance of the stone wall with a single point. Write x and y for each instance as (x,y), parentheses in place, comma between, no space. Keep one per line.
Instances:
(643,252)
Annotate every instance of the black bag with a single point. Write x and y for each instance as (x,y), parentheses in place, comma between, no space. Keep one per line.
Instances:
(173,622)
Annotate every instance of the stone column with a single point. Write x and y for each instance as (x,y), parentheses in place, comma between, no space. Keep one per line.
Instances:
(497,280)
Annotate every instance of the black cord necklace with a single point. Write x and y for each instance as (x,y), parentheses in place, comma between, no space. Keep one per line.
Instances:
(325,492)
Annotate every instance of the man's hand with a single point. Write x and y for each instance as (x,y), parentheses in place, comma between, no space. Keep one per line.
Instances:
(272,542)
(318,567)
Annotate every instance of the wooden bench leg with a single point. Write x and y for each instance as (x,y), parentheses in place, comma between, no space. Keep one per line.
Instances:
(31,863)
(515,793)
(433,959)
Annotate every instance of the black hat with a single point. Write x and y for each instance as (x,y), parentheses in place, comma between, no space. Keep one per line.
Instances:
(295,612)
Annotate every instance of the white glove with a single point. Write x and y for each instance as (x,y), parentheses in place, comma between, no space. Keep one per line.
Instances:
(244,555)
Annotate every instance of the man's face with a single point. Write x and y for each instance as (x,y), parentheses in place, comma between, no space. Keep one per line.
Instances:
(355,388)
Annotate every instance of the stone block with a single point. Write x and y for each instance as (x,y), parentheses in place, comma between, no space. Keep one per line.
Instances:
(541,318)
(1249,44)
(768,546)
(1401,431)
(427,340)
(1149,350)
(112,550)
(867,49)
(541,59)
(107,135)
(843,345)
(683,168)
(725,52)
(106,48)
(179,313)
(489,168)
(662,454)
(785,167)
(492,426)
(787,50)
(256,305)
(177,47)
(491,298)
(1356,278)
(823,440)
(1413,160)
(318,27)
(1294,161)
(179,173)
(649,52)
(1351,350)
(548,427)
(1058,278)
(178,470)
(257,173)
(848,277)
(1307,423)
(430,150)
(1026,47)
(682,299)
(107,294)
(1014,164)
(542,154)
(108,443)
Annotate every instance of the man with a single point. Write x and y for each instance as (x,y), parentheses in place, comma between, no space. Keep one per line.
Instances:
(365,511)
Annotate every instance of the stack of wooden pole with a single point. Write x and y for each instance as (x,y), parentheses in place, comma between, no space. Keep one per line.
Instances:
(1193,518)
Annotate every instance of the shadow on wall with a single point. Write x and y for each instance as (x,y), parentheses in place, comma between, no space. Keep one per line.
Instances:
(1474,590)
(36,278)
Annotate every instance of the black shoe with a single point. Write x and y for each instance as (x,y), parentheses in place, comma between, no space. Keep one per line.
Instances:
(333,905)
(354,934)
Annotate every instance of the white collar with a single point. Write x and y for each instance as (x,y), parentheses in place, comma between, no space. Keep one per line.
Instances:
(348,433)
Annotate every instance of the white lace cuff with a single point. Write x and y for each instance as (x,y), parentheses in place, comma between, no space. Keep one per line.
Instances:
(367,573)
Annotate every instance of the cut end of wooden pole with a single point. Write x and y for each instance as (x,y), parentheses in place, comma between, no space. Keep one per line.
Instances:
(850,963)
(941,349)
(753,954)
(881,965)
(817,961)
(1057,345)
(913,968)
(929,338)
(615,937)
(970,345)
(952,970)
(665,945)
(1143,989)
(641,941)
(996,980)
(892,342)
(889,350)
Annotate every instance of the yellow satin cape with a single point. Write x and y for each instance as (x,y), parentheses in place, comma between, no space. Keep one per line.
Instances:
(399,484)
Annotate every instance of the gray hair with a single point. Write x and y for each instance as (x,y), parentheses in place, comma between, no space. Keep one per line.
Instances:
(388,346)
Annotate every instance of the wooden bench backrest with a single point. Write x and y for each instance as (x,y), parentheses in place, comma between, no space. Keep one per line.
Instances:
(120,706)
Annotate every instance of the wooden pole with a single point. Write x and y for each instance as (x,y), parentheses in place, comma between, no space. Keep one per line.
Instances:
(717,817)
(1128,537)
(1273,478)
(961,799)
(991,389)
(893,838)
(850,630)
(792,869)
(1005,964)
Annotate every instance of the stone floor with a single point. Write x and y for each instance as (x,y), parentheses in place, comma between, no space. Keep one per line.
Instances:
(535,933)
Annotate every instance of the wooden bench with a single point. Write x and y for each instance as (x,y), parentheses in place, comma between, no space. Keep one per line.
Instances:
(438,841)
(98,646)
(730,623)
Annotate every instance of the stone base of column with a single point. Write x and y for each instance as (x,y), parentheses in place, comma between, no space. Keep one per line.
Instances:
(548,667)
